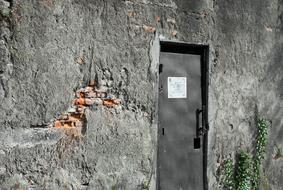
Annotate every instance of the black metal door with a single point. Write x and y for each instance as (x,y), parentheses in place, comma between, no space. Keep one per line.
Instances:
(180,153)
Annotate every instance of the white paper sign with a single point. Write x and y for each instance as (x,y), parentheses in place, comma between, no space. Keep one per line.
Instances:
(177,87)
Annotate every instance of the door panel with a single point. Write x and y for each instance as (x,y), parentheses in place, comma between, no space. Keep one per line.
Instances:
(180,166)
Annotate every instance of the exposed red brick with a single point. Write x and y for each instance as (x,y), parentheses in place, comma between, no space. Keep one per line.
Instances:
(149,29)
(80,60)
(174,33)
(157,18)
(79,101)
(131,14)
(57,124)
(85,97)
(111,102)
(92,83)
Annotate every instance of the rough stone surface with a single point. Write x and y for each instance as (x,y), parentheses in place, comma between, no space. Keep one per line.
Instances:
(49,49)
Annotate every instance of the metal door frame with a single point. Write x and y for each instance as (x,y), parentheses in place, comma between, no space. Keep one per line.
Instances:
(203,51)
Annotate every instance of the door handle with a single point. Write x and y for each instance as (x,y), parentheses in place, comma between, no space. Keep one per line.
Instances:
(163,131)
(197,140)
(201,130)
(198,128)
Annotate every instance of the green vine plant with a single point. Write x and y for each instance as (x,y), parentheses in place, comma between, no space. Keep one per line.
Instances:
(243,171)
(260,151)
(145,185)
(228,174)
(246,173)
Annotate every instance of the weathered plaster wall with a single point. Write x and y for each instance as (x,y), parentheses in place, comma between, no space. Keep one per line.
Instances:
(40,42)
(246,72)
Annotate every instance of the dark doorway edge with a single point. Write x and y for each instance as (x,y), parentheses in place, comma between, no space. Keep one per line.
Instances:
(203,51)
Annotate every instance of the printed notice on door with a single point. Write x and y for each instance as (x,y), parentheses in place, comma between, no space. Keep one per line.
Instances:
(177,87)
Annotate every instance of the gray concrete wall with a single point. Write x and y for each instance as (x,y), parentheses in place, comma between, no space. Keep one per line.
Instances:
(40,41)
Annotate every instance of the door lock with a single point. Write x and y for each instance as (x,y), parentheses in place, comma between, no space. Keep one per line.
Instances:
(200,130)
(160,68)
(160,89)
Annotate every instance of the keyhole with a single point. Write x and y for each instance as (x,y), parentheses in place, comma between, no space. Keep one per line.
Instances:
(160,89)
(162,131)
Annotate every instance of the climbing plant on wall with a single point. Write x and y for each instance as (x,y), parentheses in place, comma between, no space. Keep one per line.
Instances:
(243,171)
(228,172)
(260,151)
(246,172)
